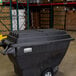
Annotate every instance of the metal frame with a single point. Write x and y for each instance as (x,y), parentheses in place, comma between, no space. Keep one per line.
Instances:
(28,14)
(28,11)
(11,14)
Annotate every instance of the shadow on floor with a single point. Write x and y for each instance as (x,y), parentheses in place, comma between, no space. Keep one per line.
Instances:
(60,74)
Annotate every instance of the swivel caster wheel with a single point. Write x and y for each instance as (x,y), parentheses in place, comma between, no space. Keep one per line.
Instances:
(47,72)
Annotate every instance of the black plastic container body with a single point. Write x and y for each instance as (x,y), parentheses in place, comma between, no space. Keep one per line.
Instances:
(38,50)
(33,64)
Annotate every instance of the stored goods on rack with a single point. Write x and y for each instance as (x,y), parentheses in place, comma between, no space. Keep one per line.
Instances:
(71,0)
(59,17)
(5,22)
(71,20)
(45,18)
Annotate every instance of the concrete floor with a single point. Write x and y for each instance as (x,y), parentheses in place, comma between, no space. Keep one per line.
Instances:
(67,67)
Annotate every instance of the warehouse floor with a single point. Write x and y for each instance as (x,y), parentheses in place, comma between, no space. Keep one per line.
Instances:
(67,67)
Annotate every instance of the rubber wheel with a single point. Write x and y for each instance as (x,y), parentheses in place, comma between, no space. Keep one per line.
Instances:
(47,72)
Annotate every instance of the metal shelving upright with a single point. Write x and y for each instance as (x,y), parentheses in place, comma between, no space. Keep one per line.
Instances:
(28,11)
(52,16)
(11,14)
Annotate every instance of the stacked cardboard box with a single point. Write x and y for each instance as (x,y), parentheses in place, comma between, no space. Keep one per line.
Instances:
(71,20)
(46,1)
(4,20)
(23,1)
(13,0)
(40,18)
(45,17)
(30,1)
(33,1)
(59,1)
(71,0)
(5,0)
(59,17)
(35,19)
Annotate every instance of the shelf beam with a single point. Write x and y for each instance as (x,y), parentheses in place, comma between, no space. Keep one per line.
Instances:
(48,4)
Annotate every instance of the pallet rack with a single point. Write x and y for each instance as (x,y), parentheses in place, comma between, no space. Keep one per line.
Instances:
(28,5)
